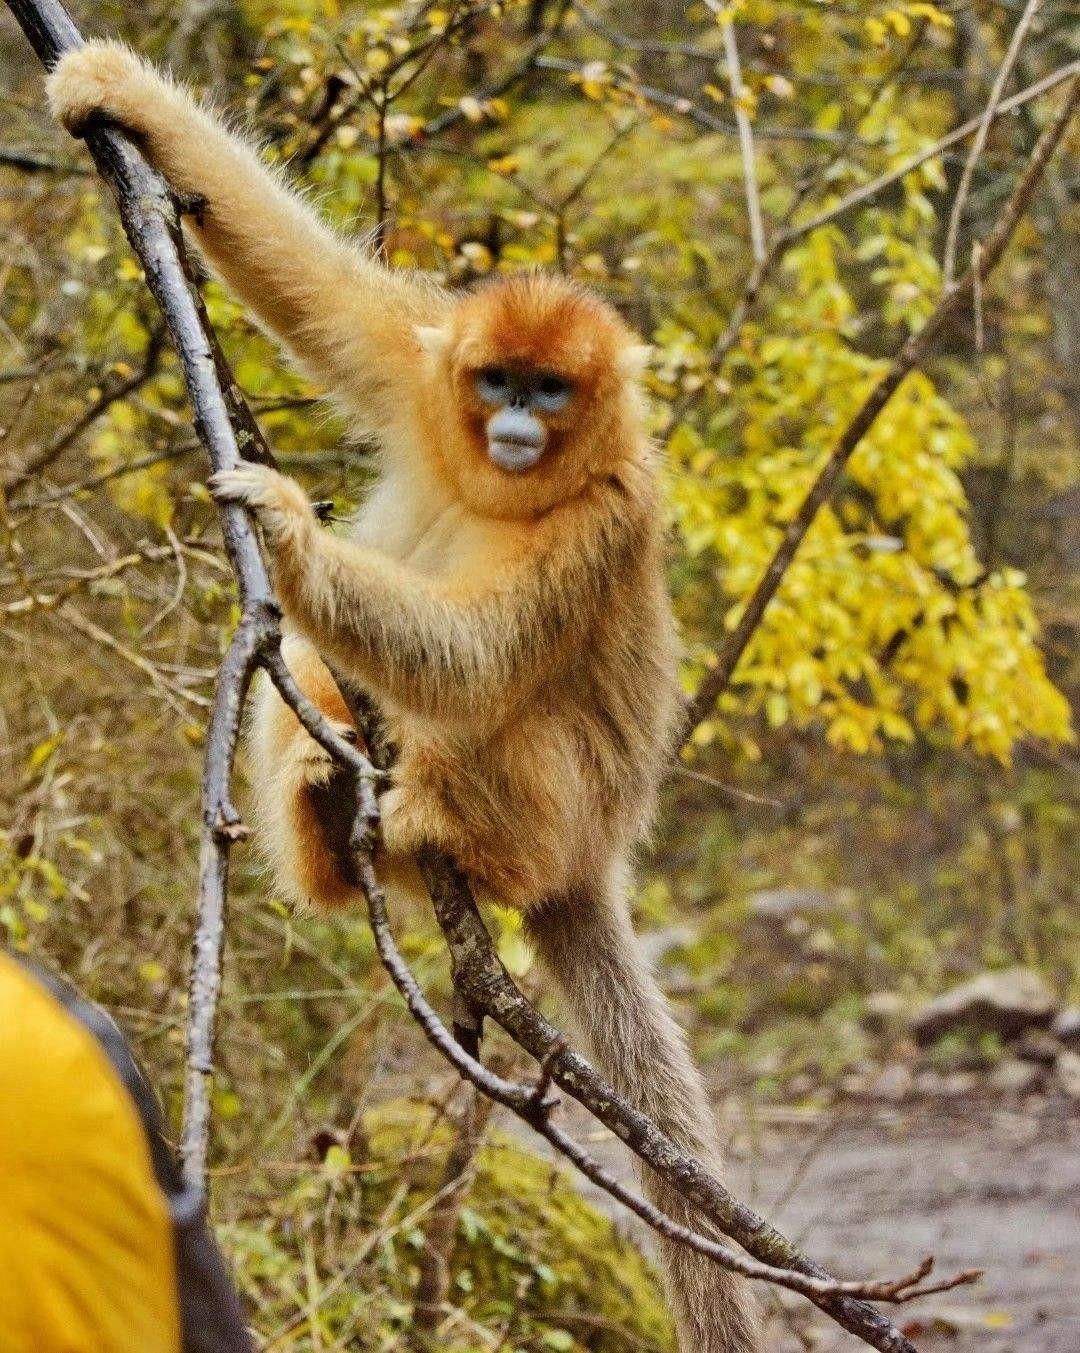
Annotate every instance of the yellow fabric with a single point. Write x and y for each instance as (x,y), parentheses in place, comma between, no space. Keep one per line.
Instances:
(86,1248)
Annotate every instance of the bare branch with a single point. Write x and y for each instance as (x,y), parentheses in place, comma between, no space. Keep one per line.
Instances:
(989,112)
(30,162)
(958,134)
(440,1233)
(788,234)
(25,507)
(172,693)
(687,108)
(51,452)
(746,136)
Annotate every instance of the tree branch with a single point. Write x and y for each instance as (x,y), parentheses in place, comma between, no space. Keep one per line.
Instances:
(870,190)
(53,450)
(746,135)
(911,355)
(228,431)
(788,234)
(948,266)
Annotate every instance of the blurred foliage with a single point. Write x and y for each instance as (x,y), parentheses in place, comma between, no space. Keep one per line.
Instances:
(530,1252)
(896,743)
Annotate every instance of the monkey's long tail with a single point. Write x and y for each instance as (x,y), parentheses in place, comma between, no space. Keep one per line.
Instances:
(589,946)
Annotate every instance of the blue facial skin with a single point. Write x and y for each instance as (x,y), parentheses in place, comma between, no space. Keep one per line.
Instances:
(516,437)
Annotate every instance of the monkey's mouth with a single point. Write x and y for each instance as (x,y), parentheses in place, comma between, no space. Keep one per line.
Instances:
(515,454)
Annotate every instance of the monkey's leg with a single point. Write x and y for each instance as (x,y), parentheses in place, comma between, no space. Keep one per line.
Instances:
(589,946)
(302,815)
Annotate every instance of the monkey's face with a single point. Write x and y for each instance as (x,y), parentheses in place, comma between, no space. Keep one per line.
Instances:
(529,395)
(520,399)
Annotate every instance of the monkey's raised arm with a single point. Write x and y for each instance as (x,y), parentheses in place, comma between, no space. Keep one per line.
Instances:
(342,313)
(438,652)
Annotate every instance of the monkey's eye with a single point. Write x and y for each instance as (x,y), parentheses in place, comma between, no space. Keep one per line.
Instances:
(552,392)
(492,384)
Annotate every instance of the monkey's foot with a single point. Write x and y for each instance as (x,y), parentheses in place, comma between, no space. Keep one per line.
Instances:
(409,821)
(278,503)
(315,763)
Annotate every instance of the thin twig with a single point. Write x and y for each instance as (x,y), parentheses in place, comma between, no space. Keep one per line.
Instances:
(686,108)
(30,162)
(433,1281)
(746,135)
(54,449)
(989,112)
(787,234)
(870,190)
(172,693)
(25,507)
(523,67)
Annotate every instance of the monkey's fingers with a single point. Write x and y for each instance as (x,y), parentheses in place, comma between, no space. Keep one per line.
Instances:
(237,486)
(94,83)
(279,503)
(258,486)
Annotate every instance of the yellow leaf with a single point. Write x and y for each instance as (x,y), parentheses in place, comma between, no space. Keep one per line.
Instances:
(900,23)
(780,86)
(504,165)
(44,750)
(776,709)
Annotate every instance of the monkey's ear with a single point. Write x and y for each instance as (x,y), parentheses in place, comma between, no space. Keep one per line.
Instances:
(433,338)
(634,359)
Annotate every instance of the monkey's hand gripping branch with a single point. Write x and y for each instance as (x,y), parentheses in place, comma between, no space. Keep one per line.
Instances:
(150,215)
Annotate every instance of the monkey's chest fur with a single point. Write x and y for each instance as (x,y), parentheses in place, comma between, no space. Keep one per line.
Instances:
(543,792)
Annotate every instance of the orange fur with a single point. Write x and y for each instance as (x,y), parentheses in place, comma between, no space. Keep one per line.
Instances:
(514,627)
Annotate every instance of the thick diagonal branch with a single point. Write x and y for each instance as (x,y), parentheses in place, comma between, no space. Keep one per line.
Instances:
(228,431)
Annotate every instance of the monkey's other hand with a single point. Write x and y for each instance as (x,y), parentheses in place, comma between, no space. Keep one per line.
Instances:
(105,80)
(278,503)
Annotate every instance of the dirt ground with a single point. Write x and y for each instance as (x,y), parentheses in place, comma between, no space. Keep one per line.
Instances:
(870,1191)
(976,1186)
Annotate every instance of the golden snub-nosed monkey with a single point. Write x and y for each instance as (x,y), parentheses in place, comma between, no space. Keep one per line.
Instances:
(500,593)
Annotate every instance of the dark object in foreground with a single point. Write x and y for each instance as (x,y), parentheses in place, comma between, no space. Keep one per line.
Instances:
(113,1250)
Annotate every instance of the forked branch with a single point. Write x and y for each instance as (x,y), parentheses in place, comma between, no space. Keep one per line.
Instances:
(228,431)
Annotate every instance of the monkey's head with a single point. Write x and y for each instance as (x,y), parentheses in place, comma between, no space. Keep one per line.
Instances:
(532,393)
